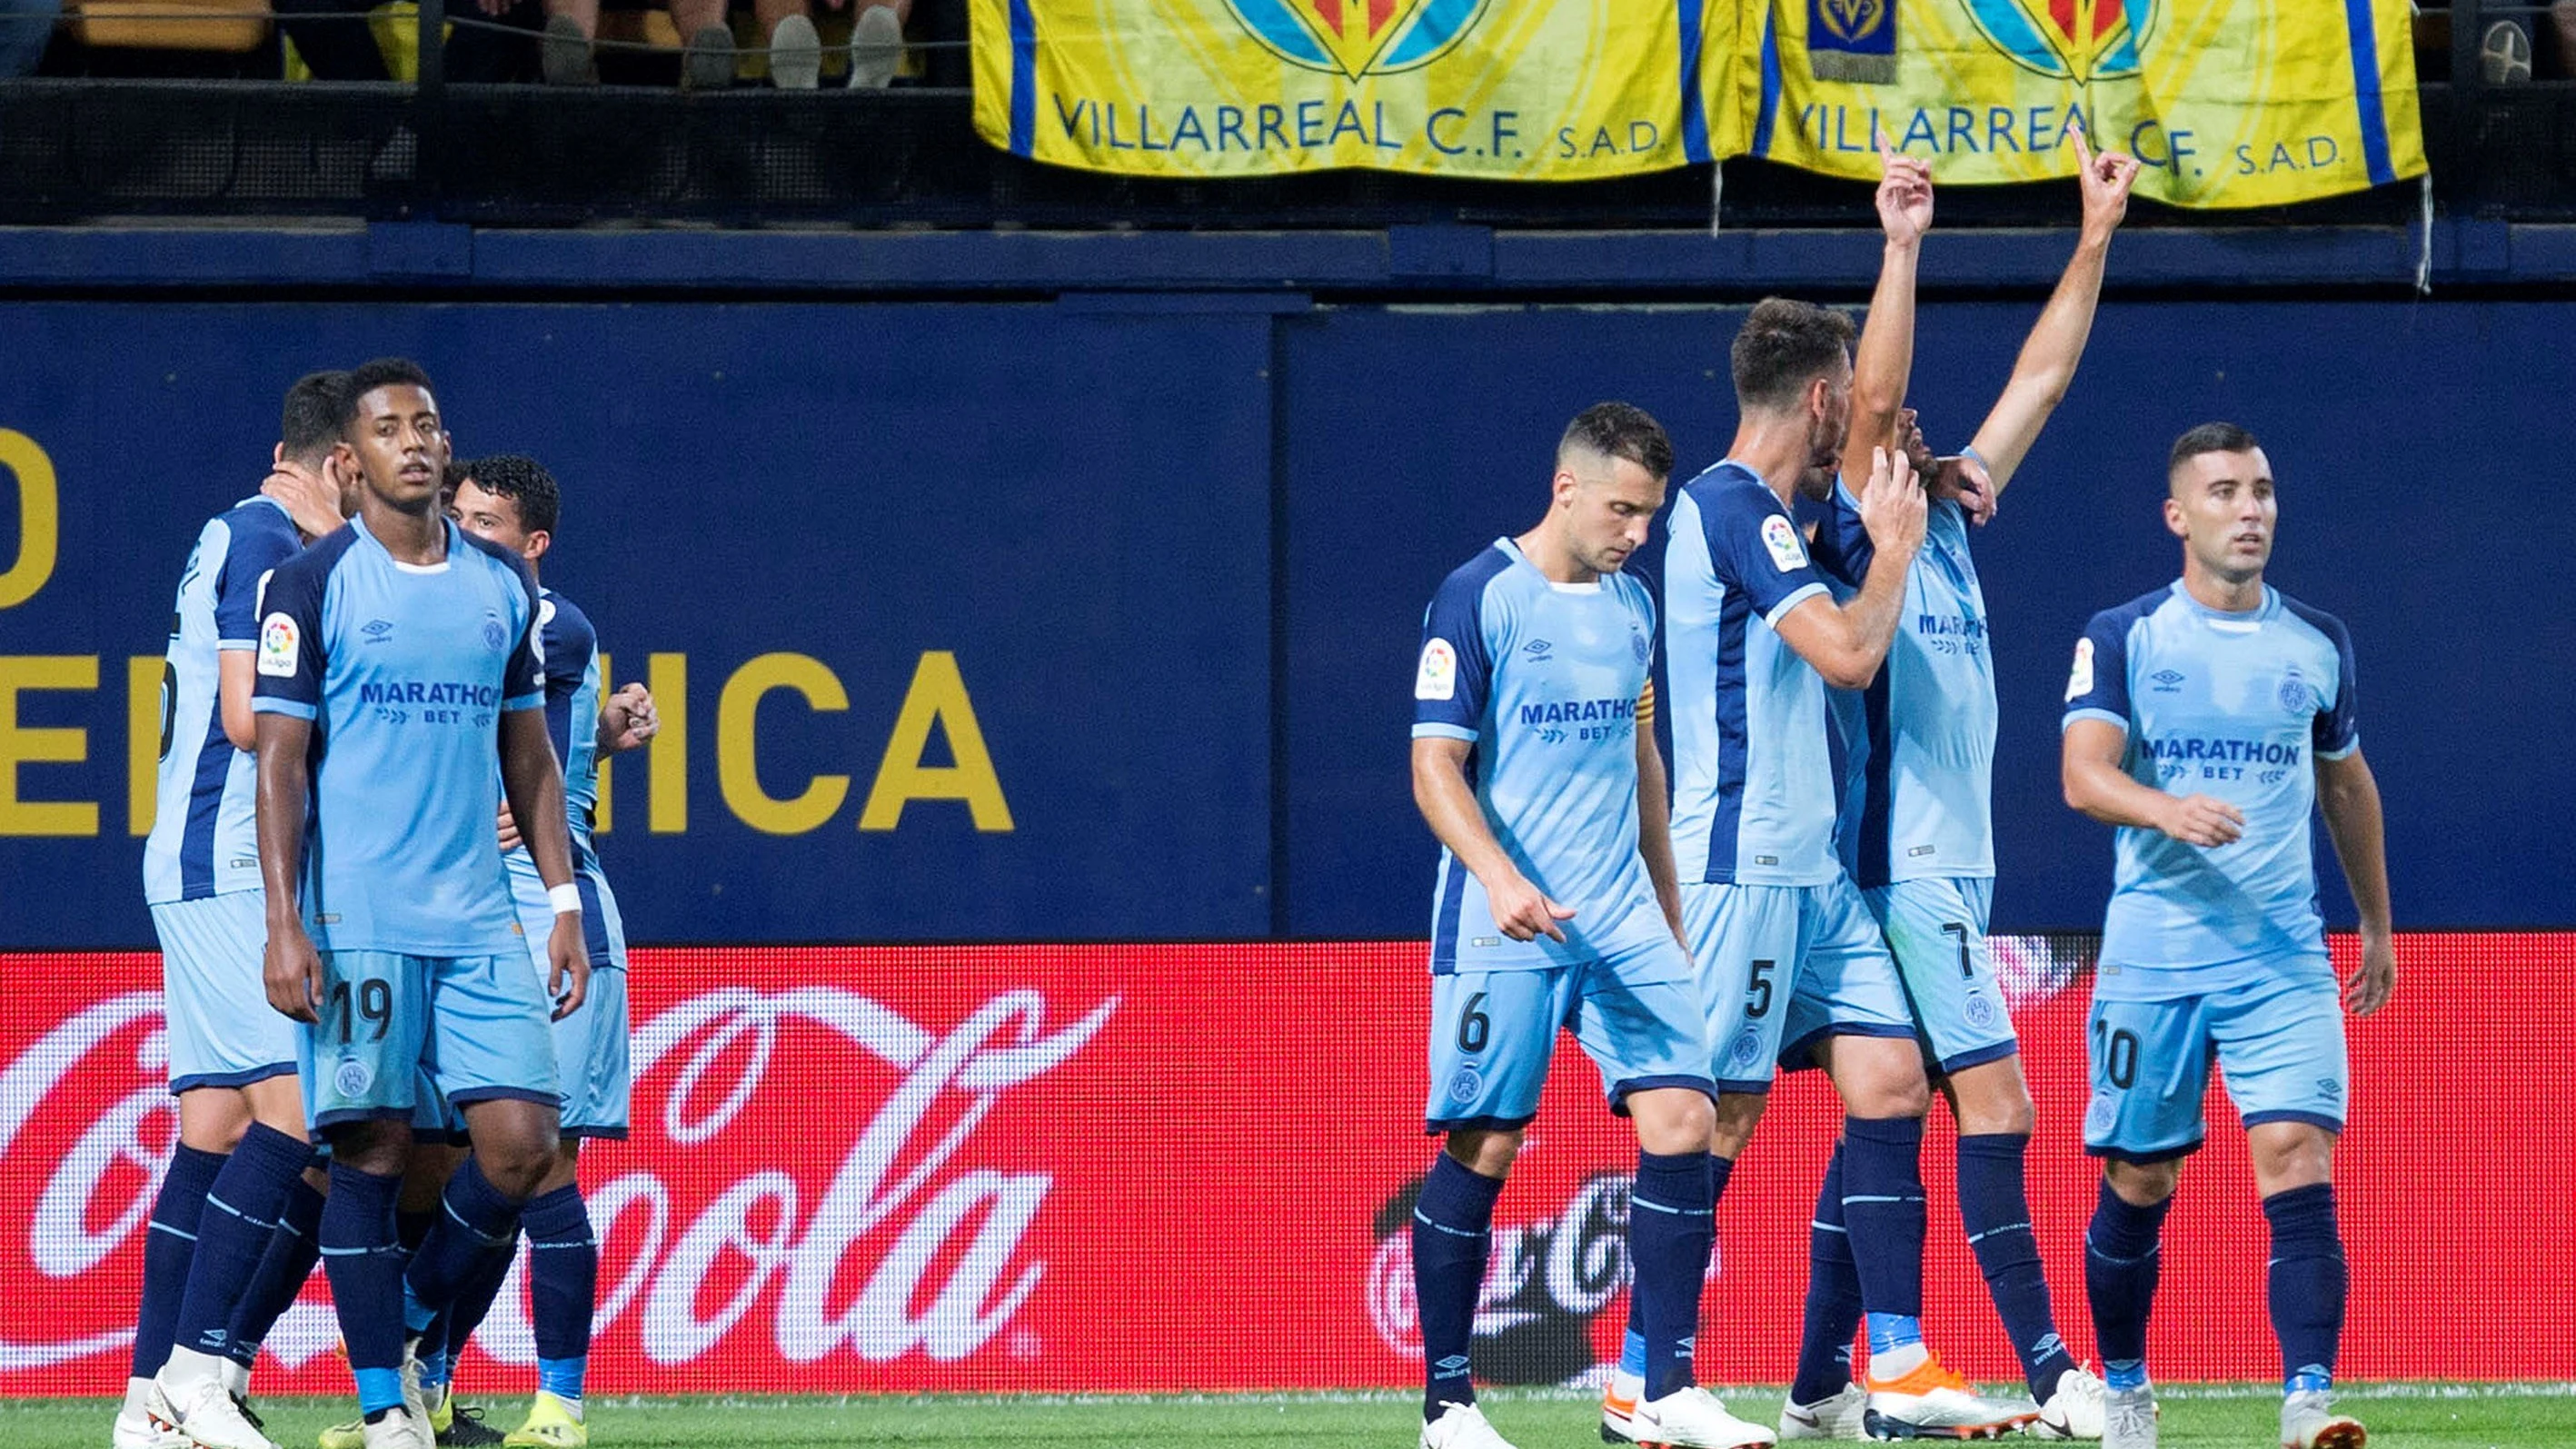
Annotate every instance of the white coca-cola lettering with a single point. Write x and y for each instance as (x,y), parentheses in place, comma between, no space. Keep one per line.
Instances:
(1580,1255)
(717,1051)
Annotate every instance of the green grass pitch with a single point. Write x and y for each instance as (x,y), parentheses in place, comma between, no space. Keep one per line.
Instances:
(2411,1416)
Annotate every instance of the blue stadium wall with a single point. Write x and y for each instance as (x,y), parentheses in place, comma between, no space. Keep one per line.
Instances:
(1169,557)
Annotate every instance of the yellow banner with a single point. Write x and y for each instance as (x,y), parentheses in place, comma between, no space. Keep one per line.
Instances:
(2227,102)
(1537,90)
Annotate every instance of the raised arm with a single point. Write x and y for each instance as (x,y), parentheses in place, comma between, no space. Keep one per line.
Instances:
(1882,364)
(2046,367)
(2349,796)
(1847,642)
(1448,805)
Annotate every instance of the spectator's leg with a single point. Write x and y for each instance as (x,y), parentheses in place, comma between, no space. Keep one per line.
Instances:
(571,27)
(478,56)
(26,28)
(795,51)
(335,44)
(708,61)
(876,43)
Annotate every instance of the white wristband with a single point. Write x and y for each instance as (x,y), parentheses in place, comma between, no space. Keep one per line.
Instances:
(566,899)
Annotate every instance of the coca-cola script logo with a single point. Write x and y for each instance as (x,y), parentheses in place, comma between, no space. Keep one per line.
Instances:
(810,1152)
(1544,1283)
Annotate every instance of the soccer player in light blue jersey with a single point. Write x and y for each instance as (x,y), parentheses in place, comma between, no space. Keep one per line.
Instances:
(241,1147)
(1917,830)
(395,659)
(514,502)
(2208,720)
(1535,764)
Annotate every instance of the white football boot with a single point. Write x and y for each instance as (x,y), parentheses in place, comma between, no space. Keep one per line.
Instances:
(2129,1418)
(202,1405)
(2309,1422)
(1460,1426)
(1933,1403)
(1836,1416)
(1619,1412)
(143,1421)
(2076,1410)
(1692,1418)
(398,1429)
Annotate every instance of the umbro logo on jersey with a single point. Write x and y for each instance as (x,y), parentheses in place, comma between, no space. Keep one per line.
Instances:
(1537,648)
(2167,681)
(378,630)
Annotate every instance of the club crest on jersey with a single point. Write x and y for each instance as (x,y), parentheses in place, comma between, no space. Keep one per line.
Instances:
(281,648)
(2079,680)
(494,636)
(2296,697)
(1436,677)
(1781,537)
(1357,38)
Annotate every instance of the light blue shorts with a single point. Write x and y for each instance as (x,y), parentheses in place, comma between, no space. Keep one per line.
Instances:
(2278,1042)
(1784,967)
(214,994)
(474,1026)
(1493,1034)
(590,1044)
(1937,932)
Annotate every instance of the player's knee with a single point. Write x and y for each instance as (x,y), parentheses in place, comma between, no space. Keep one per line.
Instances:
(213,1119)
(1992,1099)
(2290,1155)
(1732,1121)
(380,1148)
(1672,1119)
(2143,1184)
(1485,1151)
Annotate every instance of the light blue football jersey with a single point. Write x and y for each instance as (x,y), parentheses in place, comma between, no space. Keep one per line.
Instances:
(1918,801)
(405,671)
(1753,781)
(1544,679)
(205,835)
(572,721)
(2238,707)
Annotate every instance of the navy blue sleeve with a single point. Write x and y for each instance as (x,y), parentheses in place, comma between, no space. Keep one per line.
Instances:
(259,540)
(523,679)
(1842,547)
(569,643)
(291,654)
(2098,686)
(2337,730)
(1754,545)
(1455,671)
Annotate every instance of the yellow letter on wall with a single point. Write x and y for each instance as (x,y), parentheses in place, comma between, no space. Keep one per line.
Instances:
(146,738)
(42,746)
(737,767)
(667,813)
(938,694)
(39,519)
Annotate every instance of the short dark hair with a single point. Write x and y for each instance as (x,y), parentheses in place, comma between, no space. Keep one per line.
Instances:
(1621,430)
(2210,438)
(1783,346)
(366,377)
(310,422)
(525,482)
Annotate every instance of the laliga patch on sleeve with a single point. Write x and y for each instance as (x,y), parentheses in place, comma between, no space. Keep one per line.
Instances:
(1437,677)
(1781,537)
(2079,680)
(280,647)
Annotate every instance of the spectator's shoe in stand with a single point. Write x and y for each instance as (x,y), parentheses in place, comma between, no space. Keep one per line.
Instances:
(707,62)
(876,49)
(795,55)
(565,56)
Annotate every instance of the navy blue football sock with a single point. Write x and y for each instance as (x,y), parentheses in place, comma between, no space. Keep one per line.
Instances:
(1994,1206)
(1453,1224)
(364,1259)
(411,1228)
(2308,1279)
(1833,1296)
(1883,1207)
(168,1245)
(2121,1261)
(232,1235)
(563,1286)
(1672,1224)
(475,1222)
(473,1304)
(283,1266)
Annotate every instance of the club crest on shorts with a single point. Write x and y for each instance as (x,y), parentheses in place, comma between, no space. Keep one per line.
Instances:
(1748,1047)
(1980,1012)
(1464,1084)
(2099,1116)
(352,1077)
